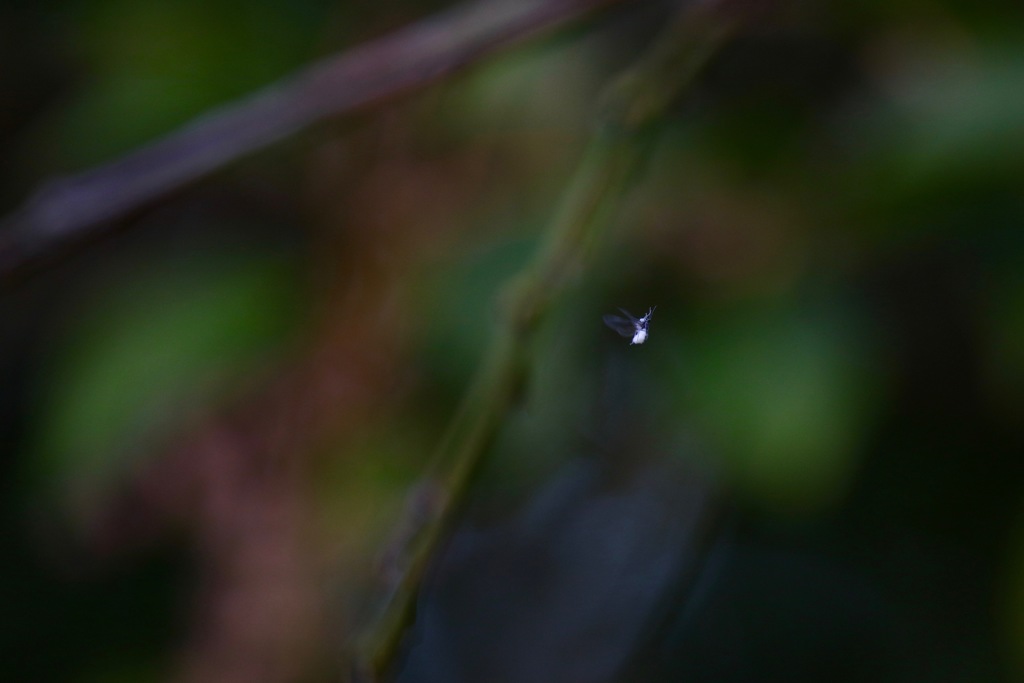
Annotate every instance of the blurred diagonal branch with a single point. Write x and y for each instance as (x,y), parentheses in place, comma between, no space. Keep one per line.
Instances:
(66,211)
(632,105)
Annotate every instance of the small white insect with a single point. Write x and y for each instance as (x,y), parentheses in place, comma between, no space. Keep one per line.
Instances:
(630,326)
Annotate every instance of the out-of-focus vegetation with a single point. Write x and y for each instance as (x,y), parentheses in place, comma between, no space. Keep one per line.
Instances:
(212,418)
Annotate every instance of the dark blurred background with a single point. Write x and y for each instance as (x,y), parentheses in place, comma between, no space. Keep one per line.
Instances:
(211,418)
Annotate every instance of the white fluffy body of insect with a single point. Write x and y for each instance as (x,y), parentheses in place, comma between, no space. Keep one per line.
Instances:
(631,326)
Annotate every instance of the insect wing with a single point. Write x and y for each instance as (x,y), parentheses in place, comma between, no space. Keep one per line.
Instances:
(629,316)
(623,326)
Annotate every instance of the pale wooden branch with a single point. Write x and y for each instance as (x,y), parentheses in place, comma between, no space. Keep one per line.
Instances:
(66,211)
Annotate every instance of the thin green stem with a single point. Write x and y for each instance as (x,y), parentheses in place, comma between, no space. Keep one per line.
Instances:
(632,105)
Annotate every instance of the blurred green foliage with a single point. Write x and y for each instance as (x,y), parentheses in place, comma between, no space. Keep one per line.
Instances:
(785,395)
(154,65)
(956,119)
(135,362)
(831,229)
(463,301)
